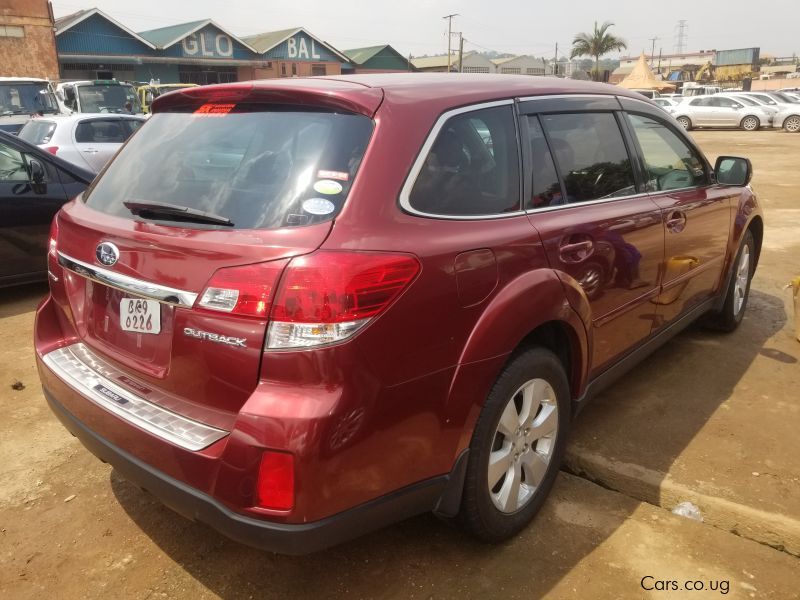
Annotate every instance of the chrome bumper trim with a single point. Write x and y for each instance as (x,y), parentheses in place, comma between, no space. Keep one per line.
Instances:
(83,371)
(138,287)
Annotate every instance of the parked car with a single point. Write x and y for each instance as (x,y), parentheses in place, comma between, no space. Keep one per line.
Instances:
(788,118)
(647,93)
(667,104)
(33,186)
(21,97)
(720,110)
(300,310)
(97,96)
(753,101)
(150,91)
(82,139)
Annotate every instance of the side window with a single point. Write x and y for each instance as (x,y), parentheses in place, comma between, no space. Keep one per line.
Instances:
(545,188)
(670,163)
(12,164)
(472,168)
(100,132)
(131,125)
(590,155)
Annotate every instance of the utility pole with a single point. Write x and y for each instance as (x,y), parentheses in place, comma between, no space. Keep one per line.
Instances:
(659,59)
(555,61)
(653,51)
(449,36)
(460,52)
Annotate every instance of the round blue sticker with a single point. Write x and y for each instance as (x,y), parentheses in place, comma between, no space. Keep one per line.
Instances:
(318,206)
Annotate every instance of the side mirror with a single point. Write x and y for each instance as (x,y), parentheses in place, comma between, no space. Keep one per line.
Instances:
(37,176)
(733,170)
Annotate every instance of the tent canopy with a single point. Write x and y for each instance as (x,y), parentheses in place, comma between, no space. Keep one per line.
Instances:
(642,78)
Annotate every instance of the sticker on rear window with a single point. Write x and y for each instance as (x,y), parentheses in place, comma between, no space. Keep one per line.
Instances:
(213,109)
(318,206)
(340,175)
(328,187)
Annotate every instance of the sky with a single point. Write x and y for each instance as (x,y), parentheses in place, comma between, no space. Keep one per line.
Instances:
(416,26)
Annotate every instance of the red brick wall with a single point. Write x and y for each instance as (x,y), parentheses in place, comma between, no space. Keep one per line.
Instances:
(33,55)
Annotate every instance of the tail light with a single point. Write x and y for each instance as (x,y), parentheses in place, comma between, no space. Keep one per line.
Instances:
(53,239)
(51,149)
(326,297)
(245,290)
(275,485)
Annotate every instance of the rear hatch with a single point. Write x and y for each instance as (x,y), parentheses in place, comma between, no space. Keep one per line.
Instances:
(198,215)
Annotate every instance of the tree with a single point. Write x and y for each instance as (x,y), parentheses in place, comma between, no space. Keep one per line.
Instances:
(596,44)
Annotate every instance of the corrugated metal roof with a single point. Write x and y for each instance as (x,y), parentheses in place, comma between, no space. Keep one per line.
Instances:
(269,39)
(740,56)
(429,62)
(166,36)
(362,55)
(505,59)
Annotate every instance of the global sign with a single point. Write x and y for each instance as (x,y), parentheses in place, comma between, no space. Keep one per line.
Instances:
(208,44)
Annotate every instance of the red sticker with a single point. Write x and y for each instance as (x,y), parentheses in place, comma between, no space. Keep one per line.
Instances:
(340,175)
(214,110)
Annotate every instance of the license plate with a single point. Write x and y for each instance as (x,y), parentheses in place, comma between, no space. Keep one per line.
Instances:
(141,316)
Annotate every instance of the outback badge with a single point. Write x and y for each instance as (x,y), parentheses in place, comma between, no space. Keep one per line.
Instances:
(214,337)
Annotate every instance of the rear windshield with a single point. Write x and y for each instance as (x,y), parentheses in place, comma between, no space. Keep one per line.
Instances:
(37,131)
(259,169)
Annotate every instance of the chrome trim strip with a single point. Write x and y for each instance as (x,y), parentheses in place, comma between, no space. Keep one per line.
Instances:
(82,370)
(557,96)
(533,211)
(138,287)
(405,192)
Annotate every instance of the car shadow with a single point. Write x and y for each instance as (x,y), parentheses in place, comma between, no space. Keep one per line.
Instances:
(425,557)
(21,299)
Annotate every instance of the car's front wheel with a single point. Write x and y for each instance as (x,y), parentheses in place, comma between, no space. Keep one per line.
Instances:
(750,123)
(517,446)
(685,122)
(732,312)
(792,124)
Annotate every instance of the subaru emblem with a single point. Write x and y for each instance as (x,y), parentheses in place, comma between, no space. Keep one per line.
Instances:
(107,253)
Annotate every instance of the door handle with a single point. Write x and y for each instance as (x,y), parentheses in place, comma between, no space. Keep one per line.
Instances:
(577,247)
(575,252)
(676,221)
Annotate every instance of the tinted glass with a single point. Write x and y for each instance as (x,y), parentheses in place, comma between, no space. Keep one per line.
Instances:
(747,101)
(545,188)
(12,164)
(101,132)
(590,155)
(132,125)
(472,167)
(671,164)
(259,169)
(764,98)
(700,102)
(724,102)
(26,98)
(100,98)
(37,131)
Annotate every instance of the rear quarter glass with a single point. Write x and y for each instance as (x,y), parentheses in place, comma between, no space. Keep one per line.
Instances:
(37,131)
(262,167)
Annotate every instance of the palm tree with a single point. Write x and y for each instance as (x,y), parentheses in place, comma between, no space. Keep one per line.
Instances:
(597,44)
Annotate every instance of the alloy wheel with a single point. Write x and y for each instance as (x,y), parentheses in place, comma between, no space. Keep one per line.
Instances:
(742,277)
(750,124)
(792,124)
(523,445)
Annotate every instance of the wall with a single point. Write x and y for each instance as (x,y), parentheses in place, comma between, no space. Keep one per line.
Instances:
(303,70)
(33,55)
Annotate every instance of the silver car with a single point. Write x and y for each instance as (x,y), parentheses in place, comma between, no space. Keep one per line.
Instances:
(83,139)
(668,104)
(720,110)
(788,118)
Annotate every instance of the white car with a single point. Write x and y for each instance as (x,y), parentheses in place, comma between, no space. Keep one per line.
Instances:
(667,104)
(788,118)
(720,110)
(753,101)
(82,139)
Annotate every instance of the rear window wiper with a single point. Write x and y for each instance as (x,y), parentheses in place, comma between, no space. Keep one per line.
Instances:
(183,213)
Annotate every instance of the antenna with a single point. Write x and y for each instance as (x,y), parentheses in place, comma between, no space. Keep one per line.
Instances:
(682,35)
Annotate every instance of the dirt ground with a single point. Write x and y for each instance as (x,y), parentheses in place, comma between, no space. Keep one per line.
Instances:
(708,418)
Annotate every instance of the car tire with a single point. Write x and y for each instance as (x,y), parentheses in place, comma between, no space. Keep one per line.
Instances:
(792,123)
(732,312)
(519,442)
(750,123)
(685,122)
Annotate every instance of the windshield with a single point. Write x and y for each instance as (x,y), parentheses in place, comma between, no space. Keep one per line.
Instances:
(108,98)
(785,98)
(26,98)
(260,169)
(745,100)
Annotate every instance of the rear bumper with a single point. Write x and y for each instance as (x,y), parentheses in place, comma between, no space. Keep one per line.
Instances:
(285,538)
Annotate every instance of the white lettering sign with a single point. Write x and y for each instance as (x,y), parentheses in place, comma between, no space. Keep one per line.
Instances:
(298,48)
(194,44)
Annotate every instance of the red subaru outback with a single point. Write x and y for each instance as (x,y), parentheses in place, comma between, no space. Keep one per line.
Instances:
(300,310)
